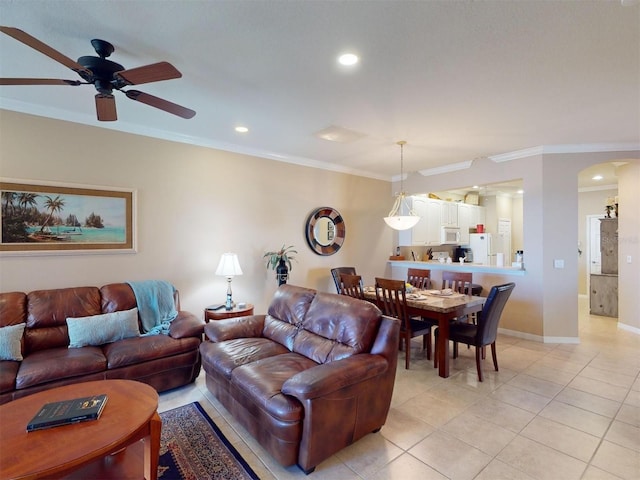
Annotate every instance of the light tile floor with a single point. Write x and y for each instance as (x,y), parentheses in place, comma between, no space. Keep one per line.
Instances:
(553,411)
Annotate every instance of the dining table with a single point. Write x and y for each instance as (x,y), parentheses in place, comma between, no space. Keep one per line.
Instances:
(442,306)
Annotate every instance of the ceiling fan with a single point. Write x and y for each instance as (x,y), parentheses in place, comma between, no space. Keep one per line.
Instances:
(104,74)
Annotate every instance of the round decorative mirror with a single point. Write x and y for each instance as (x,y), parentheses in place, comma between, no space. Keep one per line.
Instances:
(325,231)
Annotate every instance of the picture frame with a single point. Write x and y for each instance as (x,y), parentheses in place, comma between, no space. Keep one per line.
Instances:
(49,218)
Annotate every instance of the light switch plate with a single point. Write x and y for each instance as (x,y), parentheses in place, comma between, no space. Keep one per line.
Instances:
(628,258)
(558,264)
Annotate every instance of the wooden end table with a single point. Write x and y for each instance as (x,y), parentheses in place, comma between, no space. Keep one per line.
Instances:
(221,314)
(130,415)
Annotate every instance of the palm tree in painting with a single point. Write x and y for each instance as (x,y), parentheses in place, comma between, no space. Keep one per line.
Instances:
(26,199)
(53,205)
(9,198)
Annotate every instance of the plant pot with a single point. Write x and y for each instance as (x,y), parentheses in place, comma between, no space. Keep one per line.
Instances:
(282,272)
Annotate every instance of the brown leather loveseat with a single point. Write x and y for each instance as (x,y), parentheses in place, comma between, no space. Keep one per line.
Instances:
(310,377)
(162,361)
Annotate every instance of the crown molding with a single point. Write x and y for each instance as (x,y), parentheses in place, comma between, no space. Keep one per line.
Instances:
(124,127)
(567,148)
(597,188)
(446,168)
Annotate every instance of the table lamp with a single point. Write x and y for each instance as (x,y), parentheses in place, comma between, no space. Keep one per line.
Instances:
(228,267)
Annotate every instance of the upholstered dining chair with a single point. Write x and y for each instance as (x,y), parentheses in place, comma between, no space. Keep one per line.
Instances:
(335,273)
(351,285)
(392,299)
(486,330)
(419,278)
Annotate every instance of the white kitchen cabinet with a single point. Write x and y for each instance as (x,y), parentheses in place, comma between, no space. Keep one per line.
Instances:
(466,216)
(449,214)
(433,222)
(427,230)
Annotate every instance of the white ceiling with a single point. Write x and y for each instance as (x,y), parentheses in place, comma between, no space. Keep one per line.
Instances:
(456,80)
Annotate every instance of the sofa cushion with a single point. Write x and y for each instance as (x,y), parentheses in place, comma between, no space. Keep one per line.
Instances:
(143,349)
(117,296)
(8,371)
(47,313)
(11,342)
(336,327)
(290,303)
(59,363)
(102,329)
(224,357)
(13,308)
(261,383)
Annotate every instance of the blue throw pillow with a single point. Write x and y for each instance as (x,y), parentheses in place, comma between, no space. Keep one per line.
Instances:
(11,342)
(100,329)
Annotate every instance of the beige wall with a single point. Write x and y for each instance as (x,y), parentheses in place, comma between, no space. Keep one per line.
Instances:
(629,246)
(546,297)
(194,203)
(589,203)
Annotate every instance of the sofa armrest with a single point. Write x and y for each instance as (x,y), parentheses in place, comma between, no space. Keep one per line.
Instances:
(238,327)
(333,376)
(185,325)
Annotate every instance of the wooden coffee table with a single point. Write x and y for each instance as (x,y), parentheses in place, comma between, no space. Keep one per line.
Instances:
(130,415)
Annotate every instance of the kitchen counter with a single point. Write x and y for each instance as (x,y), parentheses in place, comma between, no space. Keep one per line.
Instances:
(456,266)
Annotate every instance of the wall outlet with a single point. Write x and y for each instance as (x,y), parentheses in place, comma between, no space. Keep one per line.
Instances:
(628,258)
(558,264)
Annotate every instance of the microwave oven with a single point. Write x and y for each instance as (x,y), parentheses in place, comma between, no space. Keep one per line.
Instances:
(450,236)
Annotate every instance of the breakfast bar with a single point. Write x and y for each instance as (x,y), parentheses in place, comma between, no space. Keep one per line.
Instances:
(400,266)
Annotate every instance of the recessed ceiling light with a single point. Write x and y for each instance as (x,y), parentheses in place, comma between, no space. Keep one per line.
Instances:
(242,129)
(348,59)
(597,177)
(475,186)
(521,191)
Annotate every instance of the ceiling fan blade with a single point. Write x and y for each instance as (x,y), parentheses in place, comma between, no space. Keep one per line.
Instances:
(148,73)
(38,81)
(160,103)
(106,108)
(45,49)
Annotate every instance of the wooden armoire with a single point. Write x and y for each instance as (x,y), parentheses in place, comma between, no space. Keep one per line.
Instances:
(603,297)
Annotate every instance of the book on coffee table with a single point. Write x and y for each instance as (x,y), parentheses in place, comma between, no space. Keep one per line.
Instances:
(68,411)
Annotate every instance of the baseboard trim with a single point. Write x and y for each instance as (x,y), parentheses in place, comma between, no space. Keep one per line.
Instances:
(538,338)
(628,328)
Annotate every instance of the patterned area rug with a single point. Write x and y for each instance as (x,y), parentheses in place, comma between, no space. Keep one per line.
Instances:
(193,448)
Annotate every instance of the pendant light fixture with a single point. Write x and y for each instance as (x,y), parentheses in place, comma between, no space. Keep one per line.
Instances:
(395,219)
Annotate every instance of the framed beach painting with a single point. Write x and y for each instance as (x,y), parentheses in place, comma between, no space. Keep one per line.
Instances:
(49,218)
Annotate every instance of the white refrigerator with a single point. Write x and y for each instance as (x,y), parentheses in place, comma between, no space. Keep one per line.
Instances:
(481,245)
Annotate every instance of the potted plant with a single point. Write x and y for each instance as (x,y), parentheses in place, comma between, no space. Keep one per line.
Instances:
(280,261)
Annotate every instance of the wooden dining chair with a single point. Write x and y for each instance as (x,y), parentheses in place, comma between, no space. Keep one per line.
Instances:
(392,300)
(419,278)
(457,281)
(335,273)
(486,330)
(351,285)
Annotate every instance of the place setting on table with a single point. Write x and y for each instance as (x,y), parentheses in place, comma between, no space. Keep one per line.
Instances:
(441,306)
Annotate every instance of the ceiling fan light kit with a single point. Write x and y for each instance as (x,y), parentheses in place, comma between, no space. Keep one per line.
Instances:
(105,75)
(395,220)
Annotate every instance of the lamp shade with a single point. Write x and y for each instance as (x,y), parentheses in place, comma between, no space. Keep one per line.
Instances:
(402,222)
(229,265)
(395,219)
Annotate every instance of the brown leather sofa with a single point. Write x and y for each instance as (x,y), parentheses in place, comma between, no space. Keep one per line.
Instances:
(310,377)
(162,361)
